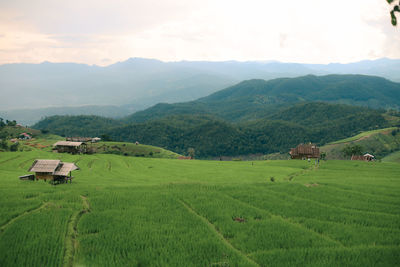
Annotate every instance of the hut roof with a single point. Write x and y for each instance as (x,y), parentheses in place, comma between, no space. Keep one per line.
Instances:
(79,139)
(67,143)
(305,150)
(44,165)
(55,167)
(64,168)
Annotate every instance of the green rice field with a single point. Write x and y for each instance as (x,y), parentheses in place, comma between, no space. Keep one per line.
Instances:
(133,211)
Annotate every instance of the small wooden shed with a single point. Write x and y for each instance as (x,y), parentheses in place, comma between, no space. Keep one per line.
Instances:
(70,147)
(365,157)
(79,139)
(53,170)
(24,136)
(303,151)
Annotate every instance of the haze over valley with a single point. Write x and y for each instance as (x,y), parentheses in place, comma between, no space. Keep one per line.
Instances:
(33,91)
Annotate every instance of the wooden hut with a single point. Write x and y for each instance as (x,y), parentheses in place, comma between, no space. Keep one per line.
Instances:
(24,136)
(53,170)
(70,147)
(79,139)
(305,152)
(365,157)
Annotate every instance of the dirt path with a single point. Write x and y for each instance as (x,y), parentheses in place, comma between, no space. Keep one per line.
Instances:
(313,167)
(71,238)
(218,234)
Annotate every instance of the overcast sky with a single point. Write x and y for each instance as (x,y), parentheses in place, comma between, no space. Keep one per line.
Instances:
(103,32)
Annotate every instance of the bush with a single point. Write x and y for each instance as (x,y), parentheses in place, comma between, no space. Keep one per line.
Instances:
(3,144)
(14,147)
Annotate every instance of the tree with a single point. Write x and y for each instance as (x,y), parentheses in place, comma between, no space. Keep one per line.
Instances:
(396,8)
(11,123)
(191,152)
(351,150)
(14,147)
(105,137)
(3,144)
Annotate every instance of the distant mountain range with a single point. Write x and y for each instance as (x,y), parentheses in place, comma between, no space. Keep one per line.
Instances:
(255,99)
(139,83)
(254,116)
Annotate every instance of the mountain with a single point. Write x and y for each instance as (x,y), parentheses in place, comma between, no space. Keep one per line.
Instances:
(31,116)
(139,83)
(82,125)
(211,136)
(254,99)
(136,83)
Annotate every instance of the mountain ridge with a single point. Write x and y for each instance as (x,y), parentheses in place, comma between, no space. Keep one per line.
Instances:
(252,99)
(141,83)
(213,136)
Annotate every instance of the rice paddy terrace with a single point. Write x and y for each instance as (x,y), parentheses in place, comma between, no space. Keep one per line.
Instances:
(128,211)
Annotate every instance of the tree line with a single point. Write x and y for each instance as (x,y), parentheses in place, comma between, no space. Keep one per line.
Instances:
(209,136)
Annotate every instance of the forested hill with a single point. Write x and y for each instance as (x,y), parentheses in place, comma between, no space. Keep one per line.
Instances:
(254,99)
(212,137)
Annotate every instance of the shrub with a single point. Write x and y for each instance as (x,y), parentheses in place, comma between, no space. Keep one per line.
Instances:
(14,147)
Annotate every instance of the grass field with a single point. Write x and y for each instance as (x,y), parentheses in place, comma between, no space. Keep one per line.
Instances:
(393,157)
(363,135)
(380,143)
(45,143)
(131,211)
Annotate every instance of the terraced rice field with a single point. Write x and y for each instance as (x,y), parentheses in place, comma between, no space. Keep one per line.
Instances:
(126,211)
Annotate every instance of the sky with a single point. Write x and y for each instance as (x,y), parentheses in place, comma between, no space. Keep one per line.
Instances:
(103,32)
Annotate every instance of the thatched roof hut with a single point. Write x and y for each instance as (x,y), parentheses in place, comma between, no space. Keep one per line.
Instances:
(44,165)
(65,168)
(70,147)
(305,151)
(79,139)
(365,157)
(49,169)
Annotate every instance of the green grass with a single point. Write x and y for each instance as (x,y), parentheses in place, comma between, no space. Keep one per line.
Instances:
(393,157)
(131,149)
(380,143)
(362,135)
(45,143)
(134,211)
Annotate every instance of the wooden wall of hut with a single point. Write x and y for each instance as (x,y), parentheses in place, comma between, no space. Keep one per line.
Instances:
(44,176)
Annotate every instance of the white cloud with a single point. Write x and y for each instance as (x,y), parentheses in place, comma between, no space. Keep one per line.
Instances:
(299,31)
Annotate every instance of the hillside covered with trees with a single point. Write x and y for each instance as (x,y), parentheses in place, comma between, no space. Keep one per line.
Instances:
(254,116)
(253,99)
(212,137)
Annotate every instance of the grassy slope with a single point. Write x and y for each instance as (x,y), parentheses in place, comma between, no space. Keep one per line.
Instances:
(45,143)
(123,211)
(131,149)
(393,157)
(15,131)
(363,135)
(378,142)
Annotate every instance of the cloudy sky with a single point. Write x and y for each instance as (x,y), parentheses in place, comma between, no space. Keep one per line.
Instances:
(103,32)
